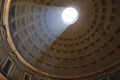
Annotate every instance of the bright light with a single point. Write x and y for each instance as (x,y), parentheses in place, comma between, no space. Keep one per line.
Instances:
(70,15)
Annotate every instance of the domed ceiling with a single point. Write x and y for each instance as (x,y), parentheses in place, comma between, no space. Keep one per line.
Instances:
(87,47)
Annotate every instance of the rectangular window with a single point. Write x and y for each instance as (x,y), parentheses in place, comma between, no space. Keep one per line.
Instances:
(7,66)
(27,77)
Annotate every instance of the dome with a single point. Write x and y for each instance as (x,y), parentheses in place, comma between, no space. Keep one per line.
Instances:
(87,46)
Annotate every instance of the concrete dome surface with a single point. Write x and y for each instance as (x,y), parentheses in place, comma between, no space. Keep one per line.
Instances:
(43,44)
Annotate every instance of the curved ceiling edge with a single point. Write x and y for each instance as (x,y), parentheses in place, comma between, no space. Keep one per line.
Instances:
(23,61)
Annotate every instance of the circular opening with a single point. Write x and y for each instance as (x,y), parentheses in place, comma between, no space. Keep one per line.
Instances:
(70,15)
